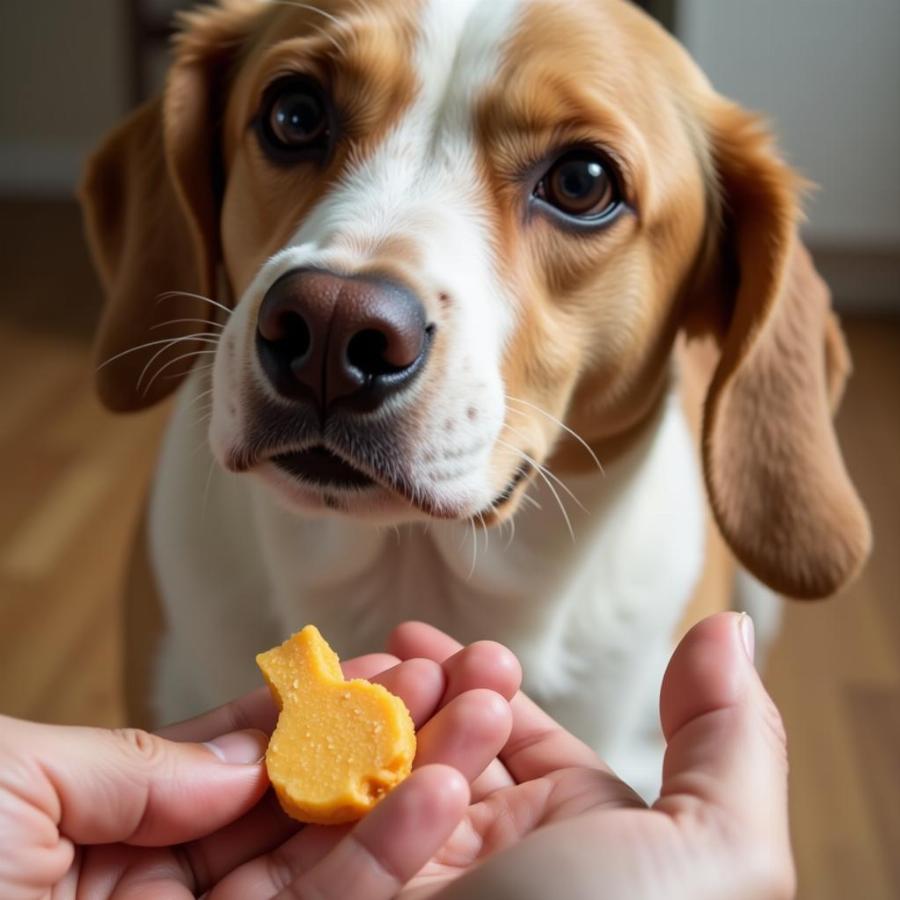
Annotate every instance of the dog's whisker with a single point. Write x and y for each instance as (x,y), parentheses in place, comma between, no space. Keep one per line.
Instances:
(562,425)
(484,528)
(193,354)
(205,419)
(169,295)
(474,550)
(149,344)
(511,521)
(530,500)
(212,468)
(202,337)
(172,376)
(462,540)
(548,482)
(320,31)
(559,502)
(209,322)
(547,470)
(200,397)
(204,415)
(203,444)
(308,8)
(196,369)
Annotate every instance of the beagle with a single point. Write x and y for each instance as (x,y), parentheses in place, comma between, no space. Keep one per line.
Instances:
(433,280)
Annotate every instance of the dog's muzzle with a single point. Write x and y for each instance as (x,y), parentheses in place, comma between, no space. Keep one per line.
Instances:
(337,348)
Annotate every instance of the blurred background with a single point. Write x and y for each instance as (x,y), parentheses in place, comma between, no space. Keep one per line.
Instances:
(72,478)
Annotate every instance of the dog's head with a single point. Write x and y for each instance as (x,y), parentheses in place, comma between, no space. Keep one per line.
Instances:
(457,241)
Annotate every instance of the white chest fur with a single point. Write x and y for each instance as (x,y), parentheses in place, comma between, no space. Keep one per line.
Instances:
(591,619)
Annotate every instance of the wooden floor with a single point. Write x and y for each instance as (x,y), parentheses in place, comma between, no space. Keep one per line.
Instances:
(71,478)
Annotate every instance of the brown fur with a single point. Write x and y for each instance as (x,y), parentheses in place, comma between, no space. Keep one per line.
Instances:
(151,210)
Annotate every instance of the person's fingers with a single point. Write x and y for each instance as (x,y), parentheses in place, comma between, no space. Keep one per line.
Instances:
(257,710)
(538,745)
(260,831)
(494,778)
(370,862)
(368,666)
(726,747)
(420,683)
(466,734)
(484,664)
(393,843)
(131,786)
(412,639)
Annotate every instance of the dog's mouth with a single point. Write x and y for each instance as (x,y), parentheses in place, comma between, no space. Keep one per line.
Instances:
(319,466)
(322,468)
(506,494)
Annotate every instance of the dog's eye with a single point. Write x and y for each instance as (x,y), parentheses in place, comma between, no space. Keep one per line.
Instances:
(294,120)
(580,185)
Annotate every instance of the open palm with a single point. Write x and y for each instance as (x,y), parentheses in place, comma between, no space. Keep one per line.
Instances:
(547,818)
(502,803)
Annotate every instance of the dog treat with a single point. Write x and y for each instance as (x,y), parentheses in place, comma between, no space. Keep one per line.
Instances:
(339,746)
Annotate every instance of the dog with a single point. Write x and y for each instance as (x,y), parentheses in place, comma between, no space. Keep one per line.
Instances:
(465,302)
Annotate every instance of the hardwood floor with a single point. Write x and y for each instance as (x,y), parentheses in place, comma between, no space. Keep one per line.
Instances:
(835,672)
(72,478)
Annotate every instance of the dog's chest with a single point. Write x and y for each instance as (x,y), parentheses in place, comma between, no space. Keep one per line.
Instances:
(591,619)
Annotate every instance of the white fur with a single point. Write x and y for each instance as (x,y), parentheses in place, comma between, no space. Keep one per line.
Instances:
(590,619)
(423,184)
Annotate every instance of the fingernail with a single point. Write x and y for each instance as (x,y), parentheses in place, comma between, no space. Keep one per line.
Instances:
(748,635)
(240,747)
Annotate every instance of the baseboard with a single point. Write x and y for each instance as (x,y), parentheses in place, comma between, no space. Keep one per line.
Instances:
(40,170)
(862,280)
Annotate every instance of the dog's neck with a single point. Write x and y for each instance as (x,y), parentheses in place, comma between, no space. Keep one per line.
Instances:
(572,610)
(474,582)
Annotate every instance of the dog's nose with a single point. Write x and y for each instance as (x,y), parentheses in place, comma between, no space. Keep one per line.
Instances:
(330,339)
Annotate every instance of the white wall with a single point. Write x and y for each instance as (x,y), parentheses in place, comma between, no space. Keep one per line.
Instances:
(827,73)
(62,85)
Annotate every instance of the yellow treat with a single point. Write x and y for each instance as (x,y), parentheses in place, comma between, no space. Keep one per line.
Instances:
(339,746)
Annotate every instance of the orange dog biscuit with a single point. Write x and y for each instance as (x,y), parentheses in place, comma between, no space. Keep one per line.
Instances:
(339,746)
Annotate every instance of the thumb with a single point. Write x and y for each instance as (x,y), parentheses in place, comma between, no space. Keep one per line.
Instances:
(101,786)
(726,744)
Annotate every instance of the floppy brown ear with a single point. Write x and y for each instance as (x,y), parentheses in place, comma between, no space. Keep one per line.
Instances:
(776,480)
(151,203)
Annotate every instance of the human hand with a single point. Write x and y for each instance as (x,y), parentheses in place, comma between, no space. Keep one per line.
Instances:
(549,819)
(97,813)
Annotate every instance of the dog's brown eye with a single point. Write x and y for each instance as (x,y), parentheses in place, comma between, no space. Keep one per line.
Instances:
(579,185)
(294,120)
(297,119)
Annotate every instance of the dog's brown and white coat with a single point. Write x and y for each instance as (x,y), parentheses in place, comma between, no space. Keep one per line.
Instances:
(562,195)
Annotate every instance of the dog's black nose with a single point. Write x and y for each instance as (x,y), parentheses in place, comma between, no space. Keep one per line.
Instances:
(336,340)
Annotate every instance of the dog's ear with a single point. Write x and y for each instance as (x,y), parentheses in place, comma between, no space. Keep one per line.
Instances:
(151,197)
(776,480)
